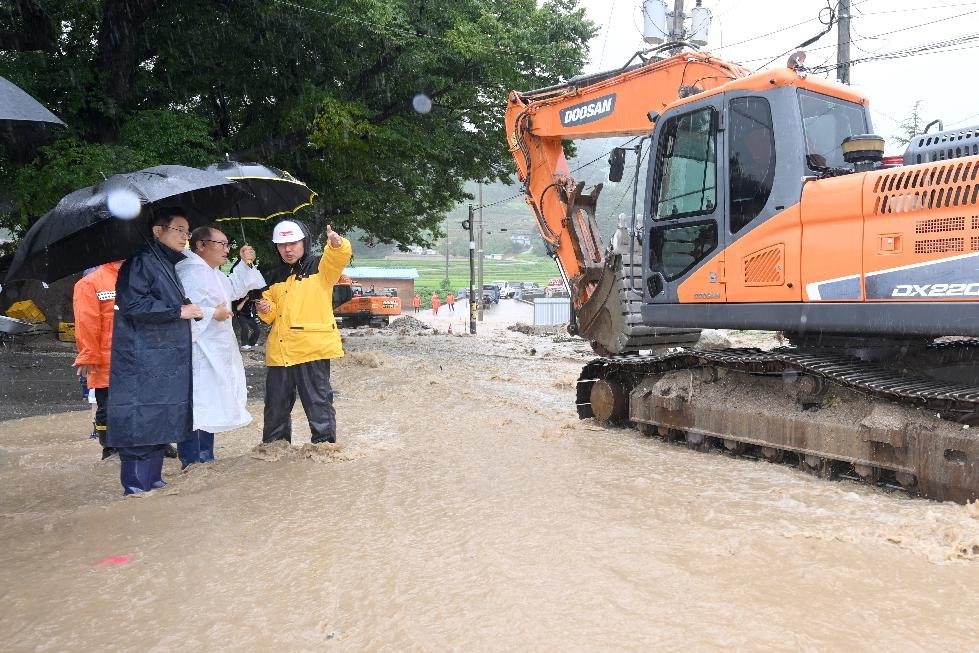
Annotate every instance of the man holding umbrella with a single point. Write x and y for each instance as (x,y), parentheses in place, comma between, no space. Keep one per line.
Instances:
(304,336)
(150,404)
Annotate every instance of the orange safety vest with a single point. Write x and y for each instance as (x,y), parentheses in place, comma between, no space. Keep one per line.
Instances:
(94,303)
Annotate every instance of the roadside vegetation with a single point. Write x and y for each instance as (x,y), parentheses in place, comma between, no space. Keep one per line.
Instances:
(432,273)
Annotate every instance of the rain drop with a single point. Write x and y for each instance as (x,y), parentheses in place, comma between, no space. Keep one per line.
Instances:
(123,204)
(422,103)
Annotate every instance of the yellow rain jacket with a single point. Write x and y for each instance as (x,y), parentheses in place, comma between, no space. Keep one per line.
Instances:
(301,295)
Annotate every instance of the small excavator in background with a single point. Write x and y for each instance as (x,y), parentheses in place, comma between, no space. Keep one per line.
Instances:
(353,307)
(767,206)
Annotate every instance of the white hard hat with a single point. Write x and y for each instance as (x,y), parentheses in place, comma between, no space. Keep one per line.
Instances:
(287,231)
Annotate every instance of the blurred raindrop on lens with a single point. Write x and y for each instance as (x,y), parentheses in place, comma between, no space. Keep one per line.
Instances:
(123,204)
(422,103)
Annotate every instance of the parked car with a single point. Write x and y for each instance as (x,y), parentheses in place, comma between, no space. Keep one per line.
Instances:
(527,290)
(555,288)
(511,289)
(462,293)
(491,293)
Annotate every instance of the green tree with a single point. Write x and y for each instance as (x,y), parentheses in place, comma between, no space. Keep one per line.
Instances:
(384,107)
(911,126)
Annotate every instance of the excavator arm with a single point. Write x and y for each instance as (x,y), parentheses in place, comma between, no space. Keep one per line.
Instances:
(603,286)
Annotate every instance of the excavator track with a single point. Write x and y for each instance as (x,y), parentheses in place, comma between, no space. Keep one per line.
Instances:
(829,413)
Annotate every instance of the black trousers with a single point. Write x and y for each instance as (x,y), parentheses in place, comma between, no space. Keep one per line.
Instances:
(312,382)
(247,329)
(101,419)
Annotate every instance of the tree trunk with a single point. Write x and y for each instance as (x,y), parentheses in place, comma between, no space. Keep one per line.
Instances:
(117,58)
(36,30)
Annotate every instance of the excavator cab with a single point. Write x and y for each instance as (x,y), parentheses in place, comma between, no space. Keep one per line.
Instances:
(725,165)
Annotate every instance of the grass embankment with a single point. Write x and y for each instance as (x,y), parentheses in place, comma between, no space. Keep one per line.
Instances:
(432,272)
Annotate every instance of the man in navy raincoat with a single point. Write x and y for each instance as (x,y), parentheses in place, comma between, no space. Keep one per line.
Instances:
(150,404)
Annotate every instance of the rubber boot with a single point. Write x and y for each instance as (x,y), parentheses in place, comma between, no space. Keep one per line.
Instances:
(189,450)
(135,476)
(156,470)
(206,442)
(106,451)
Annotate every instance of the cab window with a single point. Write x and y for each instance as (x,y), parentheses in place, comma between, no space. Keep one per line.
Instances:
(678,248)
(687,166)
(827,121)
(751,159)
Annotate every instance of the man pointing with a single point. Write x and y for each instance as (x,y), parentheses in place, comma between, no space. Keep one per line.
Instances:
(304,335)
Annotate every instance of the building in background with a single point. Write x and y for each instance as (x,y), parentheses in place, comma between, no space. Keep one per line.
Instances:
(401,279)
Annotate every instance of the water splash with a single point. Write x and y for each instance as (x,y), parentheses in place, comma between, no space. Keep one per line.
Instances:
(421,103)
(123,204)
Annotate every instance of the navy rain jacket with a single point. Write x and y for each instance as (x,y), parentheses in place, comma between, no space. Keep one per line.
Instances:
(150,387)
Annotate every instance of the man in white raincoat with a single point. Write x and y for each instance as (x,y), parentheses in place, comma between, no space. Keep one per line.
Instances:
(220,392)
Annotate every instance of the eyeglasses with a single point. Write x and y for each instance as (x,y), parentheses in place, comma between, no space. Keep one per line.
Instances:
(179,230)
(219,243)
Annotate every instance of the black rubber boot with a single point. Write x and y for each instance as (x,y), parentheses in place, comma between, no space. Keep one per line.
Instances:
(156,470)
(189,450)
(106,451)
(135,476)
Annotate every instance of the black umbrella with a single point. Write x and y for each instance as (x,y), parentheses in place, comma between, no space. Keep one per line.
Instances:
(21,114)
(111,221)
(271,192)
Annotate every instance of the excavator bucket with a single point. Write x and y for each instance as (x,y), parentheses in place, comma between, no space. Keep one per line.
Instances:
(610,318)
(608,293)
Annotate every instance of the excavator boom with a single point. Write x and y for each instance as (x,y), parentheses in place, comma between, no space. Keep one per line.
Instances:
(602,283)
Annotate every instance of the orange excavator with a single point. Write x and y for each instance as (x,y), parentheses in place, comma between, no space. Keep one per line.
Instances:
(353,307)
(606,304)
(767,206)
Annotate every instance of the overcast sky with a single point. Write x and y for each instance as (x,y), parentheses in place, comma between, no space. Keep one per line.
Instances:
(761,34)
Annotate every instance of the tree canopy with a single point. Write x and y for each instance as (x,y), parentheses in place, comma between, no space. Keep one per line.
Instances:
(384,107)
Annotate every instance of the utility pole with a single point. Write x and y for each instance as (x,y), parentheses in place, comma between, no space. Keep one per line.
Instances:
(677,32)
(447,287)
(468,224)
(479,286)
(843,42)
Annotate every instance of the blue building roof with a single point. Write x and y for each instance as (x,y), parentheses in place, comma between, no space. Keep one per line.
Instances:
(381,273)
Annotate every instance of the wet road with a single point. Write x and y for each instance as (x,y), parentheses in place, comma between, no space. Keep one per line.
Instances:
(468,510)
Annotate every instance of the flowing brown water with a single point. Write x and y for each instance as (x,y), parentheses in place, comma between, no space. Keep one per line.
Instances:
(468,510)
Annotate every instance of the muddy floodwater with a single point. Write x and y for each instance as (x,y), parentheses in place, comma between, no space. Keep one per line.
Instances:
(466,509)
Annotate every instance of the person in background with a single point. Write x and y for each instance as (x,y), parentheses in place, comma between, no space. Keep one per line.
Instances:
(304,337)
(416,302)
(436,303)
(93,303)
(245,316)
(220,392)
(150,404)
(450,301)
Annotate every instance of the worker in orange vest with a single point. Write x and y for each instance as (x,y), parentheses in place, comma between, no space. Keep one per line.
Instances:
(94,301)
(417,302)
(436,302)
(450,300)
